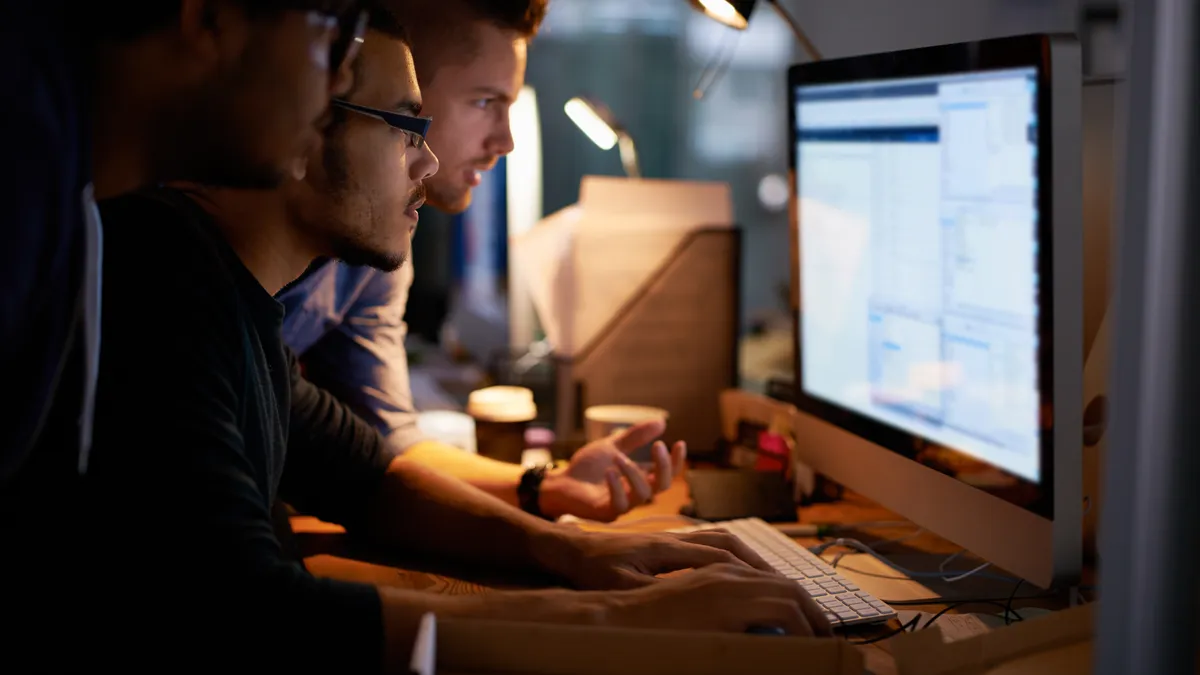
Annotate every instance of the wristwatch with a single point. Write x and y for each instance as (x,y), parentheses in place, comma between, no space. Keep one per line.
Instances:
(529,490)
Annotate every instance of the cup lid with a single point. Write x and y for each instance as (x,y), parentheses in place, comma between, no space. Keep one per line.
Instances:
(625,413)
(502,404)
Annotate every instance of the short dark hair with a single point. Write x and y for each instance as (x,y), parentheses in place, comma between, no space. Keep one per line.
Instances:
(384,19)
(521,16)
(440,27)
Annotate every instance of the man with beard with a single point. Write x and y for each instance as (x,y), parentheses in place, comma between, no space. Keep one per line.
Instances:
(347,323)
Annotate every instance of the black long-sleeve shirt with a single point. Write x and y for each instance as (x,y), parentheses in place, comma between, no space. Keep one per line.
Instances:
(203,423)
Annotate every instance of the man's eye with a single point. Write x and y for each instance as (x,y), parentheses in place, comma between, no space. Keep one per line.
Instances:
(481,103)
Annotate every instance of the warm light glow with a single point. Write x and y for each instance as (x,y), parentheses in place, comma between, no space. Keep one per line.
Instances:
(724,12)
(524,186)
(590,123)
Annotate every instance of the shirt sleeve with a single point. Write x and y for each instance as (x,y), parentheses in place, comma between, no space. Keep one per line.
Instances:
(335,462)
(195,568)
(364,363)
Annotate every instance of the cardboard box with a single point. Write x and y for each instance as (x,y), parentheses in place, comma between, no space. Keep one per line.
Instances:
(1059,643)
(472,647)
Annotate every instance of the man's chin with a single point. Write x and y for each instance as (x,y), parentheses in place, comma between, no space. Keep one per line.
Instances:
(384,261)
(450,201)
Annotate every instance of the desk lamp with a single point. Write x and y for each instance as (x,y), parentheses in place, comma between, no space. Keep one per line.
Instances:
(736,14)
(597,122)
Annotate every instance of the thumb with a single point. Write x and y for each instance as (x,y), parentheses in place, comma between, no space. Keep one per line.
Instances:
(640,434)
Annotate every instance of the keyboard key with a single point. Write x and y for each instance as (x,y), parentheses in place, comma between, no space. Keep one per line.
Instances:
(863,594)
(867,612)
(847,615)
(816,593)
(859,606)
(851,587)
(814,574)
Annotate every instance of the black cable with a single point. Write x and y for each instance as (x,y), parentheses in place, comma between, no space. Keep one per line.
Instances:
(1011,596)
(951,601)
(956,605)
(940,614)
(889,635)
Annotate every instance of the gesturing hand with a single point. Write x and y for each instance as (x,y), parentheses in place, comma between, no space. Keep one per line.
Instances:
(601,482)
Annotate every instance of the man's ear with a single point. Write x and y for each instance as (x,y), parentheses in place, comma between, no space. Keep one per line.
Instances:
(211,29)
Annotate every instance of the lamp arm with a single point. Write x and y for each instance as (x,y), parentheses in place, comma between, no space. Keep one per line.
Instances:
(629,158)
(809,48)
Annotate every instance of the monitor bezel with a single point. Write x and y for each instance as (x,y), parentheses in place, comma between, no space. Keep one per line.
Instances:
(1031,51)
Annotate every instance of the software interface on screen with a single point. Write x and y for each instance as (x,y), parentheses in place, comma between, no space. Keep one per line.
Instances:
(918,240)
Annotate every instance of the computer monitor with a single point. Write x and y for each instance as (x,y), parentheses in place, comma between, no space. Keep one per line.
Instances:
(937,278)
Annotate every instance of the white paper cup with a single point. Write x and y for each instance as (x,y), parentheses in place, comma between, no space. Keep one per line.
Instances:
(449,427)
(602,421)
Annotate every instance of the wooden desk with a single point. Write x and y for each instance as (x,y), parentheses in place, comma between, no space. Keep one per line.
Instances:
(912,549)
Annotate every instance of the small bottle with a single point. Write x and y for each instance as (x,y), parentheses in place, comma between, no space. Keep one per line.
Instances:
(538,444)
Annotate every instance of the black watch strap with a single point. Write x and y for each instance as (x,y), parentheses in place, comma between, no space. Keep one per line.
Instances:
(529,490)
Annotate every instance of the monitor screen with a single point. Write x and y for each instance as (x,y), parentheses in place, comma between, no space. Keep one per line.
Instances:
(918,211)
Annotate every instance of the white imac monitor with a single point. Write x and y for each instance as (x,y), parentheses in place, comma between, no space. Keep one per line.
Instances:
(938,278)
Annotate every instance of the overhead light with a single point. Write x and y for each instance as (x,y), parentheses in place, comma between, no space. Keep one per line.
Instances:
(736,14)
(597,123)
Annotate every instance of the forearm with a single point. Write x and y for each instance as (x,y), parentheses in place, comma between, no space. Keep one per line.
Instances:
(499,479)
(442,517)
(402,612)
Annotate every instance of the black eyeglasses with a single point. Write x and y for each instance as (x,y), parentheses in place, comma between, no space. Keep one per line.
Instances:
(352,26)
(417,128)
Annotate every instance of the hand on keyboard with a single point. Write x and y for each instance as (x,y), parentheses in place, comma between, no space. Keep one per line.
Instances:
(606,561)
(844,603)
(729,598)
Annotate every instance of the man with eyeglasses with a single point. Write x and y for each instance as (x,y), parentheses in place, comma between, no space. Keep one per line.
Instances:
(106,97)
(347,323)
(206,424)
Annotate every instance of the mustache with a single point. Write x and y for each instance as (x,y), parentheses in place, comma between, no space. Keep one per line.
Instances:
(419,194)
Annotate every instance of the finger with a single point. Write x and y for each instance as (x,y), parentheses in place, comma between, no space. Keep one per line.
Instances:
(616,491)
(776,613)
(639,487)
(669,558)
(639,435)
(663,474)
(815,614)
(723,540)
(679,458)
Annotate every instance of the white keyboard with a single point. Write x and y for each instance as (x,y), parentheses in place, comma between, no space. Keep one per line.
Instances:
(845,603)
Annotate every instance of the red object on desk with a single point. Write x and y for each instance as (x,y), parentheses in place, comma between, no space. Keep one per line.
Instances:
(773,452)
